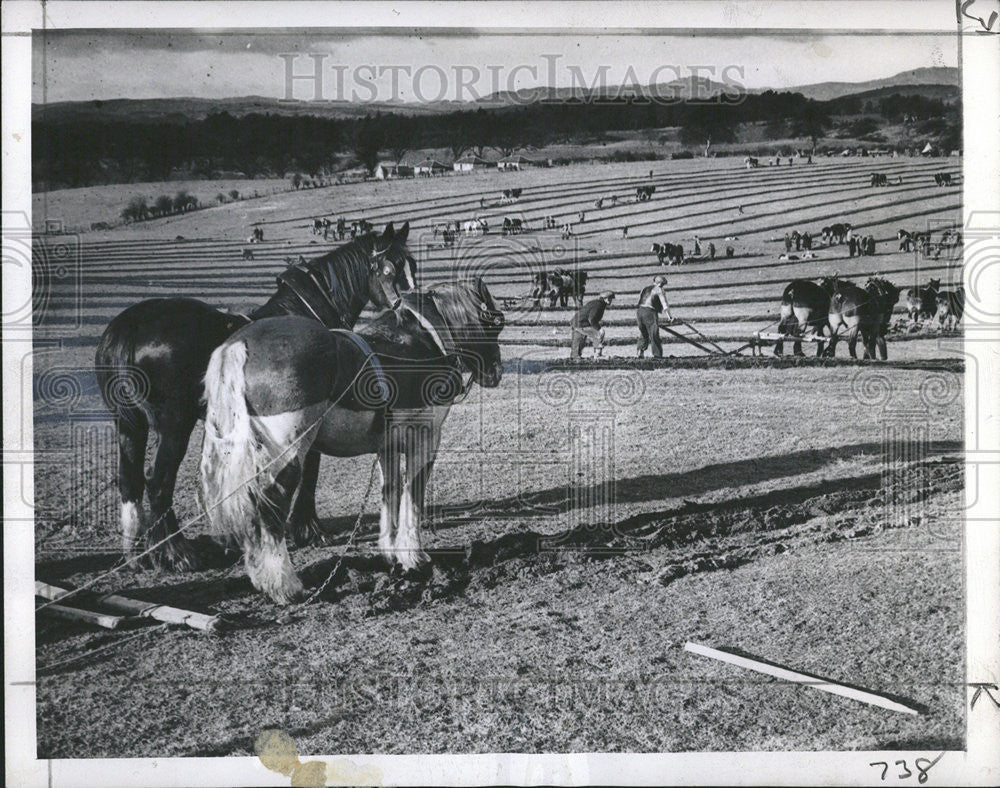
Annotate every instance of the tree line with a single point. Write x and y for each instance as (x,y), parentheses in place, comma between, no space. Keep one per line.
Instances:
(71,153)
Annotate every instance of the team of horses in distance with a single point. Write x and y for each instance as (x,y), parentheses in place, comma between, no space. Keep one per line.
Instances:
(292,380)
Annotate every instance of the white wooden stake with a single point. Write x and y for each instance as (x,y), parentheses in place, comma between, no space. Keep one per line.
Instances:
(170,615)
(87,616)
(800,678)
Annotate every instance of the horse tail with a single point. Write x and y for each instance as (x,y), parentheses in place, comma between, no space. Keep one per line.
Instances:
(122,384)
(231,458)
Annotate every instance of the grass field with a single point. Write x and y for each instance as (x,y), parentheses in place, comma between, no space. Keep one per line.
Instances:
(588,519)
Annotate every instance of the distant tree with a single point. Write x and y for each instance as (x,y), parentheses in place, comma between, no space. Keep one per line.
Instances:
(398,137)
(707,125)
(183,202)
(163,206)
(457,135)
(811,122)
(850,105)
(369,139)
(136,210)
(296,180)
(860,127)
(776,129)
(506,138)
(481,125)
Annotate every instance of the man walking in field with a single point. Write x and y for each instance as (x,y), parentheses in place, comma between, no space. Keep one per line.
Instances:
(652,301)
(586,325)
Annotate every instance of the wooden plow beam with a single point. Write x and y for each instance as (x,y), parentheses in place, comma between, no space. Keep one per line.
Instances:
(774,336)
(702,342)
(759,338)
(134,609)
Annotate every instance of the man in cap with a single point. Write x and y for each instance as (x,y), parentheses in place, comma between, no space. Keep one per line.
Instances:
(652,300)
(586,324)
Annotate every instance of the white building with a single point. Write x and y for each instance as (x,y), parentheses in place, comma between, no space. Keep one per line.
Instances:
(469,163)
(429,167)
(514,163)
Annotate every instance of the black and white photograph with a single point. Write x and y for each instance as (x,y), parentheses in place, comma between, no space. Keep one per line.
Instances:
(501,393)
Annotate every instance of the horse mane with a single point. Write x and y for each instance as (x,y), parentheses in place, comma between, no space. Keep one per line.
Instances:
(345,273)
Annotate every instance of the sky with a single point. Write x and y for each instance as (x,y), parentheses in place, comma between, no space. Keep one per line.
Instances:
(88,65)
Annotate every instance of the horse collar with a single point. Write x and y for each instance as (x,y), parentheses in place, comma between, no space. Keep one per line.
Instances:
(428,326)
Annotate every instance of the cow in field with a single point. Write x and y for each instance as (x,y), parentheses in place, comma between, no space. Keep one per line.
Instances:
(644,193)
(942,178)
(751,162)
(879,179)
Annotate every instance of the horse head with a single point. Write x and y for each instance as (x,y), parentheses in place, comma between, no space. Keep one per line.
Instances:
(830,284)
(475,323)
(392,268)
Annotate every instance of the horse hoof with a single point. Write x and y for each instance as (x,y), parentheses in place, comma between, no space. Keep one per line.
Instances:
(173,558)
(287,594)
(307,531)
(180,555)
(411,560)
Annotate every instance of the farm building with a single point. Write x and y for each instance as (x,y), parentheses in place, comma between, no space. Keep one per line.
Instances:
(429,167)
(514,163)
(387,170)
(470,163)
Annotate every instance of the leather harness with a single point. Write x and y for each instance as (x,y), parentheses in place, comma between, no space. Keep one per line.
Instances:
(305,281)
(370,357)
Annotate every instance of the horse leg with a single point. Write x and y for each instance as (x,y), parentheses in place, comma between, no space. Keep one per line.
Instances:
(421,449)
(831,348)
(177,552)
(304,524)
(389,460)
(266,558)
(800,329)
(818,332)
(133,432)
(883,351)
(852,341)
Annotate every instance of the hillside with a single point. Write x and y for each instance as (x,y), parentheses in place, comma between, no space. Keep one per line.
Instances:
(825,91)
(188,108)
(937,83)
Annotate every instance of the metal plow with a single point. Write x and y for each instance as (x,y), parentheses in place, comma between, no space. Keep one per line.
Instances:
(694,337)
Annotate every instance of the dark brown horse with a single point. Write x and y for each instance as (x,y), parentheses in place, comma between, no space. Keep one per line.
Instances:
(921,302)
(862,312)
(950,307)
(804,312)
(885,296)
(280,388)
(152,358)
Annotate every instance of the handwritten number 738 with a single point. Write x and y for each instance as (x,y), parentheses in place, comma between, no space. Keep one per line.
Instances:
(923,766)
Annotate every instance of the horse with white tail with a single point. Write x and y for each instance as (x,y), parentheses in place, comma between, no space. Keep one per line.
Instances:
(282,387)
